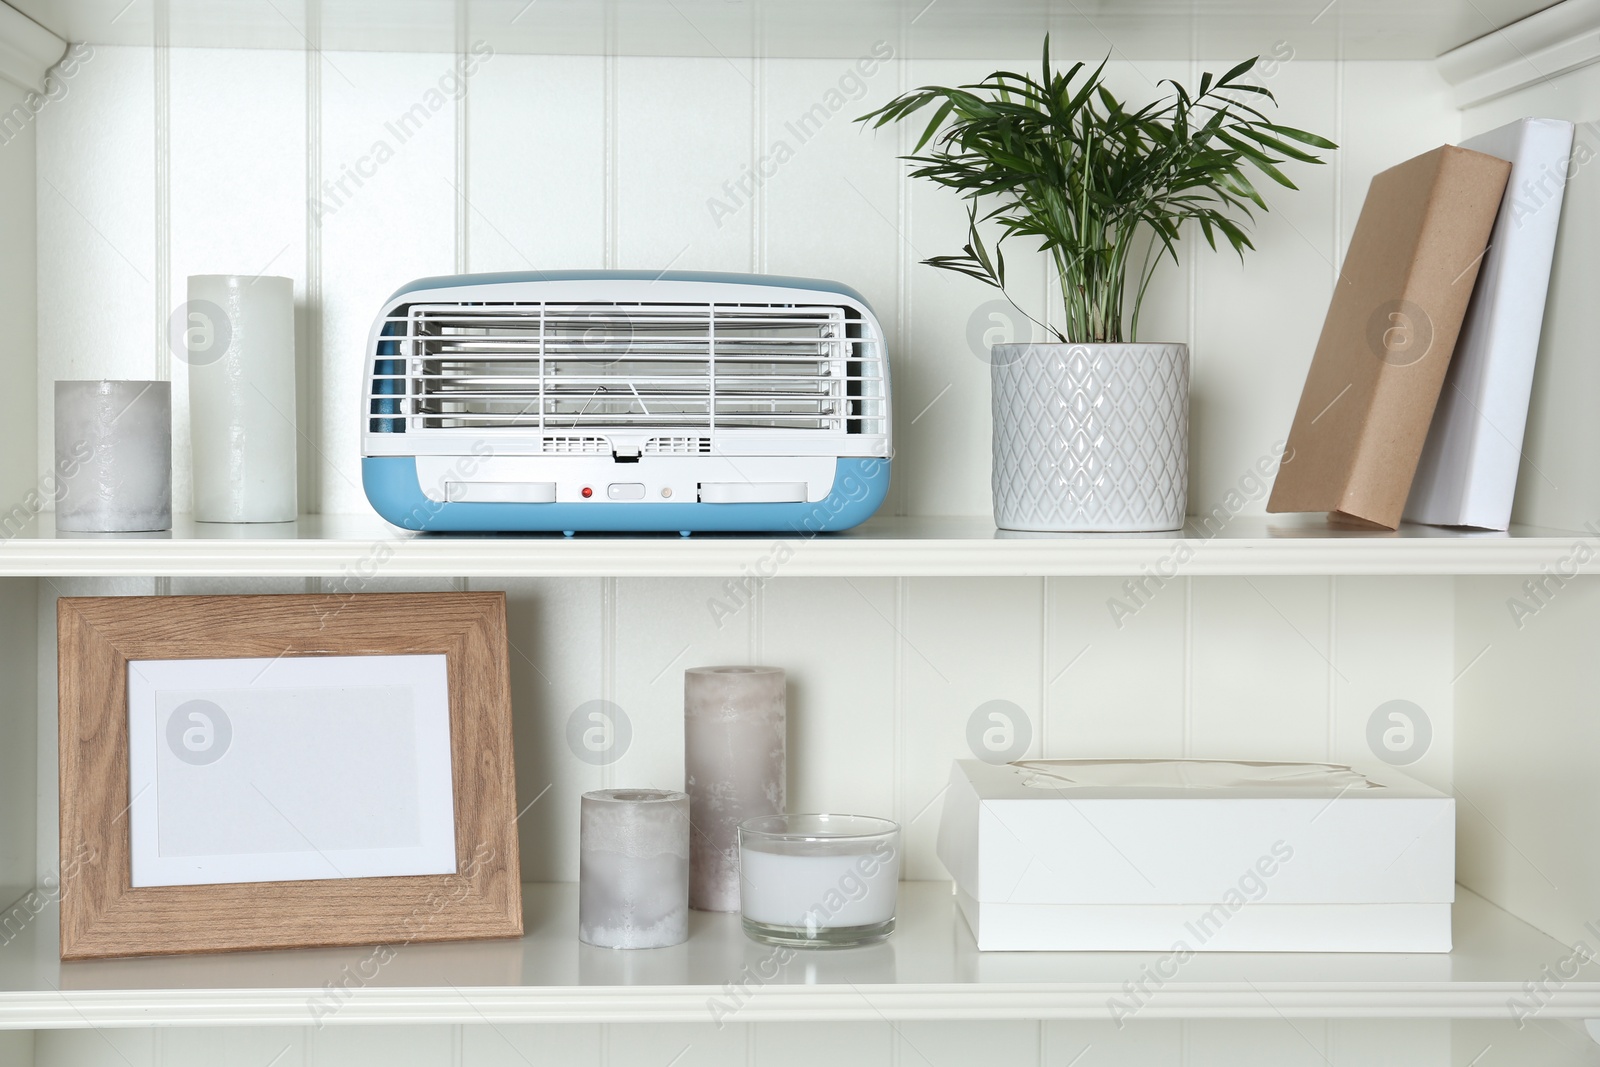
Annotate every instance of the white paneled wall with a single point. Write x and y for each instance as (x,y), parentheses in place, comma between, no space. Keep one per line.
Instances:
(886,677)
(17,480)
(234,194)
(1526,737)
(18,293)
(356,172)
(1252,339)
(539,164)
(19,871)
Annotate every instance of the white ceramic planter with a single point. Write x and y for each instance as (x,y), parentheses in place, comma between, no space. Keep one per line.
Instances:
(1091,438)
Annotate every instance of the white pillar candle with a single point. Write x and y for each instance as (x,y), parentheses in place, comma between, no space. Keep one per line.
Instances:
(822,880)
(239,339)
(734,725)
(113,456)
(633,868)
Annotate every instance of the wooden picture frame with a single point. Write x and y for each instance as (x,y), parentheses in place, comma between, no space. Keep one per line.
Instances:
(104,915)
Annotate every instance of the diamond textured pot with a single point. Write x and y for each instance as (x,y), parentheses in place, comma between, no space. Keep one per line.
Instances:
(1091,437)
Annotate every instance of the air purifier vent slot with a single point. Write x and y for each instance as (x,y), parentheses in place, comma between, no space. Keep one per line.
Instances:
(678,446)
(495,367)
(570,445)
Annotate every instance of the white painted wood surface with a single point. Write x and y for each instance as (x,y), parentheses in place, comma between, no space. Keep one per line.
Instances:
(1223,1043)
(929,972)
(358,552)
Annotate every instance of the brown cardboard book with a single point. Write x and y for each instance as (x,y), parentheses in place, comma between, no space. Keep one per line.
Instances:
(1387,340)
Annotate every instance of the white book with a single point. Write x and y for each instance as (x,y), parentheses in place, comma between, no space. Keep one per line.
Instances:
(1468,472)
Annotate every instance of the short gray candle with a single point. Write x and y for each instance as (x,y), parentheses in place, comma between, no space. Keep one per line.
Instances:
(113,456)
(633,868)
(733,733)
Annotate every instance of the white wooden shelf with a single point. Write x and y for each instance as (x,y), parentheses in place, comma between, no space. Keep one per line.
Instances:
(357,549)
(929,969)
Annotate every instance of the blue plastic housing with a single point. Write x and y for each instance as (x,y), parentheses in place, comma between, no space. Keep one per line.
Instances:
(859,486)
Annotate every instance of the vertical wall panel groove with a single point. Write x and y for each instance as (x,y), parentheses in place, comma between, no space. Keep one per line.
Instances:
(610,92)
(1043,715)
(1333,667)
(758,625)
(162,67)
(308,397)
(463,155)
(608,660)
(900,806)
(902,267)
(758,140)
(1188,667)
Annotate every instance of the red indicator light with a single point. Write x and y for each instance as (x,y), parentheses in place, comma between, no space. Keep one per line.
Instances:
(587,492)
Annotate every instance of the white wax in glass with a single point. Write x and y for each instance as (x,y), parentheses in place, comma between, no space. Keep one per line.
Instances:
(819,891)
(633,868)
(240,343)
(734,727)
(113,469)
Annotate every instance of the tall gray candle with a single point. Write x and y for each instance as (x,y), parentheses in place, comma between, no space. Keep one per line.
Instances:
(733,747)
(633,868)
(113,456)
(240,350)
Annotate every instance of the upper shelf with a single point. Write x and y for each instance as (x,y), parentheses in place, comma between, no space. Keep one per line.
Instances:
(362,548)
(929,969)
(1131,29)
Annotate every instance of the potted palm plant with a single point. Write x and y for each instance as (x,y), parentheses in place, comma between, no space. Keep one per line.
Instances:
(1091,430)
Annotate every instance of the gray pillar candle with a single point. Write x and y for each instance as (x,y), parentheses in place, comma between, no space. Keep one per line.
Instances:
(733,746)
(241,397)
(633,868)
(113,456)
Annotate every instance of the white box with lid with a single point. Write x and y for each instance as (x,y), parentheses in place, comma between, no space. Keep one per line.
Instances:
(1198,855)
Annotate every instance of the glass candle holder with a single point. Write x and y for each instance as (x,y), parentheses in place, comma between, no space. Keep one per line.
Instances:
(818,881)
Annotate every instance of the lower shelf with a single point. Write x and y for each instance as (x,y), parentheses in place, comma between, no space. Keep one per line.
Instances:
(929,969)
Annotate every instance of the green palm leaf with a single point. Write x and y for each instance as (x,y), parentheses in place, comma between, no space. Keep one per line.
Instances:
(1064,162)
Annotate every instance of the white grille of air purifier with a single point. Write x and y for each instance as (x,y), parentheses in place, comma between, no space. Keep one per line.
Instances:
(672,377)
